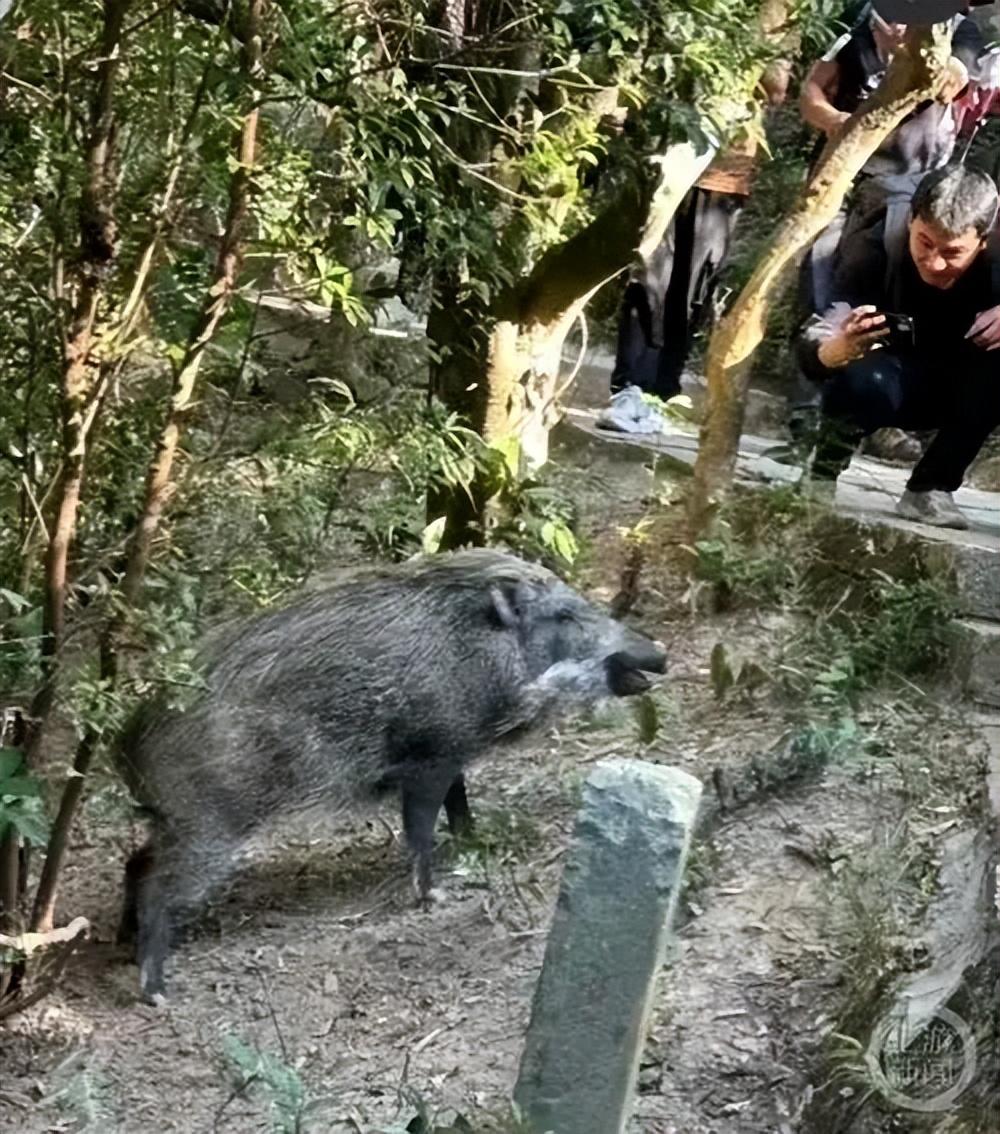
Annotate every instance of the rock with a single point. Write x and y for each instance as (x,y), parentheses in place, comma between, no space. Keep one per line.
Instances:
(958,939)
(581,1060)
(976,659)
(985,474)
(975,574)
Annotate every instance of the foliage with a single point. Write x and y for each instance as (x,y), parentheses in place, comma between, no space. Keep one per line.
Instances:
(22,807)
(499,837)
(20,638)
(759,552)
(866,625)
(84,1094)
(877,896)
(369,137)
(280,1083)
(539,519)
(845,629)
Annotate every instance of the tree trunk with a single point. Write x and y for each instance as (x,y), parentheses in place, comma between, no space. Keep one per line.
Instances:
(159,480)
(12,734)
(220,293)
(97,250)
(79,377)
(518,375)
(914,76)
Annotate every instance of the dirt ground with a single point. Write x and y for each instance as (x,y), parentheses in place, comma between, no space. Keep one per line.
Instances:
(316,958)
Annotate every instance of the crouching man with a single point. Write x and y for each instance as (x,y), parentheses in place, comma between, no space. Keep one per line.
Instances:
(909,341)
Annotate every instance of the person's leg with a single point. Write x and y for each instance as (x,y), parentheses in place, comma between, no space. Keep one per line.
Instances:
(637,353)
(676,312)
(634,336)
(965,404)
(714,220)
(856,400)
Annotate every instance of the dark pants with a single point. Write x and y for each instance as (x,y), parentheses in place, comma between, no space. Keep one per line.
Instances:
(664,305)
(958,396)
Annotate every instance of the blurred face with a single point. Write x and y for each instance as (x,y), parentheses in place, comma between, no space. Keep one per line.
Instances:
(942,259)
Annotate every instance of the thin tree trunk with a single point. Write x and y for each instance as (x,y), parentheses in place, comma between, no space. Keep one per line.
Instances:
(97,251)
(914,76)
(217,302)
(159,477)
(12,735)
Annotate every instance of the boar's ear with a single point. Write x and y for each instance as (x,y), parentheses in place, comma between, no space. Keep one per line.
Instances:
(504,607)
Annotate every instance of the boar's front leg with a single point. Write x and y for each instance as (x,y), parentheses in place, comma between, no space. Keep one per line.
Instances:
(423,798)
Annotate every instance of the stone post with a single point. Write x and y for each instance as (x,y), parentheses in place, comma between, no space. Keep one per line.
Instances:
(590,1014)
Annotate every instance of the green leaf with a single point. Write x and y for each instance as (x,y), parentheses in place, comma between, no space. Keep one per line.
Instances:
(510,449)
(723,677)
(246,1060)
(19,787)
(430,538)
(564,543)
(11,760)
(647,716)
(30,825)
(15,601)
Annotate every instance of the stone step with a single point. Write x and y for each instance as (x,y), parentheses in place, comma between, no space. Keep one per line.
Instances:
(976,660)
(974,571)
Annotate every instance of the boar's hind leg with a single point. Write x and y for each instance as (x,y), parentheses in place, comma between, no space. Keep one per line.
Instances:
(154,935)
(182,875)
(423,797)
(136,869)
(456,807)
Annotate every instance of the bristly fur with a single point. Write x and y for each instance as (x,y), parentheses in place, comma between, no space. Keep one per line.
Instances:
(393,680)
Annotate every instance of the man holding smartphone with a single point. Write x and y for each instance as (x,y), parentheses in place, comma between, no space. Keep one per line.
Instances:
(908,341)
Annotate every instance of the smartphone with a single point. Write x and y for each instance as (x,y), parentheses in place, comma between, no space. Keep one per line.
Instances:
(901,334)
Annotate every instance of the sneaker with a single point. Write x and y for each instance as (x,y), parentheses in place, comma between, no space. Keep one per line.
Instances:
(935,507)
(629,412)
(893,446)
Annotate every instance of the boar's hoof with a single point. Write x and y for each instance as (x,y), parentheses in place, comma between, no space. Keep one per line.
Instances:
(433,897)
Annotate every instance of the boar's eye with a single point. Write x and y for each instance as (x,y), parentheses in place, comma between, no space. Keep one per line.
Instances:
(565,616)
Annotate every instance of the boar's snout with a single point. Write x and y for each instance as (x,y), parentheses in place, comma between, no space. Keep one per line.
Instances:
(627,668)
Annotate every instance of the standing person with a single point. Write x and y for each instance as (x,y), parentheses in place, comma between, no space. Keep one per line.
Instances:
(666,298)
(940,371)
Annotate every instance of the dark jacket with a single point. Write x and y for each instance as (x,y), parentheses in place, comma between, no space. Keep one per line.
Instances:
(871,270)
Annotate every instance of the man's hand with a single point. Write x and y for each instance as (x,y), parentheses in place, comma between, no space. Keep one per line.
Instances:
(955,81)
(833,122)
(985,330)
(856,336)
